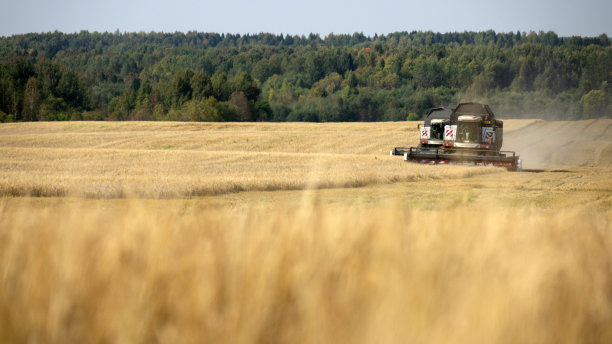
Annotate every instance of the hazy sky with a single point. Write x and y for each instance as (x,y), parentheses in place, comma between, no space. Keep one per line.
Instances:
(567,18)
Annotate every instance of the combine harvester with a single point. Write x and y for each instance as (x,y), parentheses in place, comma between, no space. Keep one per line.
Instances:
(471,136)
(432,132)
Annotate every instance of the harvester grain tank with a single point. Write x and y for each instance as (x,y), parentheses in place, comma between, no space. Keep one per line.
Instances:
(473,136)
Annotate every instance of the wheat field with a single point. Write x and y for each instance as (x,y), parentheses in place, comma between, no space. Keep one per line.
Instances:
(300,233)
(180,160)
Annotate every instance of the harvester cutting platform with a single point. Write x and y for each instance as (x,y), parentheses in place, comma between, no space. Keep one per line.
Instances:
(468,135)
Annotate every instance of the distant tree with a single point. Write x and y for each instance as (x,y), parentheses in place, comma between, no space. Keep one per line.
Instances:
(210,111)
(70,90)
(428,73)
(351,80)
(52,109)
(31,100)
(526,76)
(143,109)
(49,75)
(219,85)
(4,118)
(594,104)
(84,75)
(239,99)
(285,96)
(21,70)
(330,83)
(502,74)
(201,86)
(6,91)
(144,92)
(181,87)
(123,105)
(262,111)
(245,83)
(413,117)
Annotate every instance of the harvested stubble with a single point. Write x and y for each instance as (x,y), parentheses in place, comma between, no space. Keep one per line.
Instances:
(177,160)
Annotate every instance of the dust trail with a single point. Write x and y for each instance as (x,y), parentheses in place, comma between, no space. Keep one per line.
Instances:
(543,144)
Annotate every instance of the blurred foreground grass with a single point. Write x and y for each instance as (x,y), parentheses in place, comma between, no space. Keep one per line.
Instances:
(85,273)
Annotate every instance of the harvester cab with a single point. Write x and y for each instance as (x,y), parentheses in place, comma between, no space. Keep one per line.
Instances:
(473,126)
(432,132)
(471,136)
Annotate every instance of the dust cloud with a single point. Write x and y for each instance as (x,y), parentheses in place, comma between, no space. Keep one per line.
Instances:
(544,144)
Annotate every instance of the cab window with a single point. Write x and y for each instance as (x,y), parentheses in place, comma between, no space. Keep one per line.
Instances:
(437,131)
(468,132)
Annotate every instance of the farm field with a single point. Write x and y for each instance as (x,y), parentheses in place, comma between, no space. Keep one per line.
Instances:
(304,233)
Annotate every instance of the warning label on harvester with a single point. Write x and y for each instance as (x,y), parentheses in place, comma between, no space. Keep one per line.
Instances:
(488,135)
(425,132)
(450,131)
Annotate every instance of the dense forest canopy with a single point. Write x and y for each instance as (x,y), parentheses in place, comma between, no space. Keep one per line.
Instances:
(197,76)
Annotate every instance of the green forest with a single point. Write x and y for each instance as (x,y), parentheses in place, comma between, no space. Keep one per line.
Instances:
(198,76)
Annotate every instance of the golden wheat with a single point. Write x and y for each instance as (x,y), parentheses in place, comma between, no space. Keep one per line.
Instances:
(185,160)
(426,254)
(313,274)
(170,160)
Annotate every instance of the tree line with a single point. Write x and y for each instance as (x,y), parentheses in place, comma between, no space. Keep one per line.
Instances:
(266,77)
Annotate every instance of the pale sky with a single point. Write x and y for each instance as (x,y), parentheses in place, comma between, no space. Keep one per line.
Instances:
(566,18)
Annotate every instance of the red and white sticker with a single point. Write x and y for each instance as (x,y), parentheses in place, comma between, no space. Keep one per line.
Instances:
(450,132)
(425,132)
